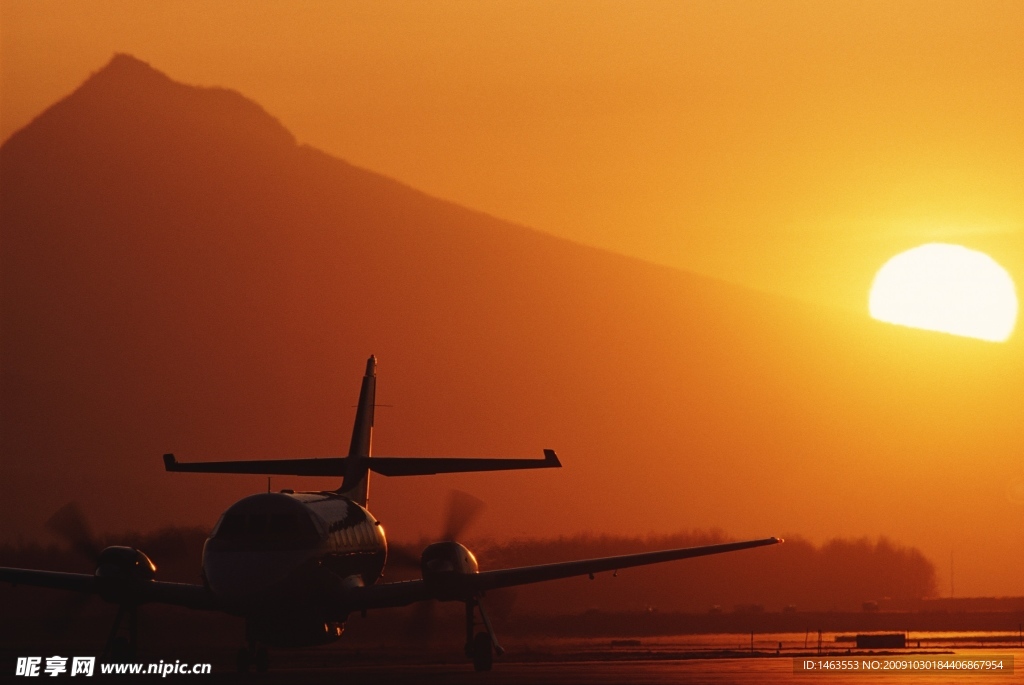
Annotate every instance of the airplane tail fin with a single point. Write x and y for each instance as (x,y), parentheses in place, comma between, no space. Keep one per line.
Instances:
(356,483)
(355,468)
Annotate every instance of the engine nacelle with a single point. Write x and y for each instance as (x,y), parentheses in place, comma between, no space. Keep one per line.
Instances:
(441,565)
(120,571)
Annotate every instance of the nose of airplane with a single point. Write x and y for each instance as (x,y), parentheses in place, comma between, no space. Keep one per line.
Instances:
(258,548)
(240,577)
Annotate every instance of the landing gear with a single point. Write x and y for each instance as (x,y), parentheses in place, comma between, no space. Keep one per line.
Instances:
(481,647)
(252,657)
(482,652)
(253,654)
(242,660)
(122,648)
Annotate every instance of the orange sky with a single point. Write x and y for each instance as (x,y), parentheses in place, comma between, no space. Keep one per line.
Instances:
(792,146)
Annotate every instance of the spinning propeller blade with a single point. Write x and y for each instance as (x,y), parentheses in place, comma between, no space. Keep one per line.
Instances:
(463,510)
(69,524)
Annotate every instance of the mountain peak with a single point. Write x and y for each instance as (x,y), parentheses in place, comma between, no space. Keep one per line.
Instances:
(124,66)
(128,94)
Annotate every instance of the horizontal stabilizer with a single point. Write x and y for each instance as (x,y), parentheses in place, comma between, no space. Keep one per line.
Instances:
(332,466)
(386,466)
(427,466)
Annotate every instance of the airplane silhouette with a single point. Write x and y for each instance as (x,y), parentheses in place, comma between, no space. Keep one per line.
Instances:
(295,565)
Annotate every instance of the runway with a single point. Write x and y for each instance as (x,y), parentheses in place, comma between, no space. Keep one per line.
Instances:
(657,670)
(721,658)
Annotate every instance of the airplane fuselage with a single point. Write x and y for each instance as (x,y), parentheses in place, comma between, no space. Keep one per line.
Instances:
(273,555)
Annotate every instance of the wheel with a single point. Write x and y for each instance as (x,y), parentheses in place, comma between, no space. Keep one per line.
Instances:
(262,660)
(242,660)
(483,652)
(121,650)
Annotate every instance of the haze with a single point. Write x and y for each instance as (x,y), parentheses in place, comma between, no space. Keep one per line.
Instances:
(790,146)
(180,276)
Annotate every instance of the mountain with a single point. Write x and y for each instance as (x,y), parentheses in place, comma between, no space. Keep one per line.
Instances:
(178,274)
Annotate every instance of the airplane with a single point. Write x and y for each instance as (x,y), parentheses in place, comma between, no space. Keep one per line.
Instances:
(295,565)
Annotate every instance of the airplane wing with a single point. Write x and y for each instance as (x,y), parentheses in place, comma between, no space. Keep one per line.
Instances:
(492,580)
(387,594)
(76,582)
(410,591)
(180,594)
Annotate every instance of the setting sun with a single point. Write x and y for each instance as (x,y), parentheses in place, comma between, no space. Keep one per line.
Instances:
(946,288)
(606,229)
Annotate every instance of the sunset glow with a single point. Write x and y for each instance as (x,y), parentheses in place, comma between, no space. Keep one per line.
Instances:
(643,234)
(946,288)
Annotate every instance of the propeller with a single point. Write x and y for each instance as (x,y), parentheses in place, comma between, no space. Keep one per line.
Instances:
(422,624)
(500,602)
(122,566)
(462,510)
(69,524)
(64,613)
(403,557)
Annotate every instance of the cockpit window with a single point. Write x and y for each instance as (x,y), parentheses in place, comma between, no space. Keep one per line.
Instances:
(273,529)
